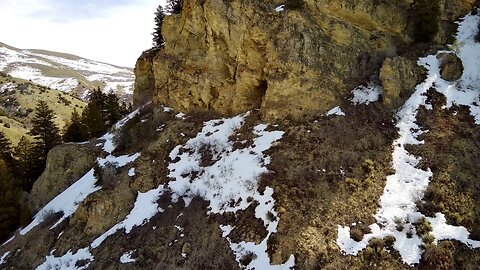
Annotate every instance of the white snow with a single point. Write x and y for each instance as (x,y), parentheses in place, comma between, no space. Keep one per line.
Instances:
(335,111)
(232,177)
(261,259)
(8,241)
(119,161)
(68,261)
(4,257)
(409,183)
(127,257)
(131,172)
(145,208)
(8,56)
(66,202)
(26,65)
(280,8)
(366,94)
(180,115)
(7,87)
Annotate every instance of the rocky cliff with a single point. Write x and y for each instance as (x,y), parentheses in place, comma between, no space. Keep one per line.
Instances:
(286,58)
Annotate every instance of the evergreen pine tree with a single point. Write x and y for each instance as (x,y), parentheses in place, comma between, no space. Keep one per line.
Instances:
(26,163)
(44,129)
(5,148)
(174,6)
(157,31)
(47,136)
(9,202)
(112,107)
(93,120)
(14,212)
(97,97)
(76,131)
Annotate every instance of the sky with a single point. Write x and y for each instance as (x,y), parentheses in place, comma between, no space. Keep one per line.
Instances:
(111,31)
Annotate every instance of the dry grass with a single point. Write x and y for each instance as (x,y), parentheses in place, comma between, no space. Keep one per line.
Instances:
(61,103)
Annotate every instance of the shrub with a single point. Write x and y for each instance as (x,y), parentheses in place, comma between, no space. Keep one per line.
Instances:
(389,240)
(356,234)
(139,130)
(294,4)
(438,257)
(423,227)
(377,244)
(248,258)
(106,175)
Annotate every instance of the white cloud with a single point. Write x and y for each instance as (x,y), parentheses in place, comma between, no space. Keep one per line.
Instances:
(116,33)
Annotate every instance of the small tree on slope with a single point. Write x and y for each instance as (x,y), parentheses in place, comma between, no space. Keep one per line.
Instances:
(76,131)
(157,30)
(47,136)
(5,148)
(174,6)
(44,129)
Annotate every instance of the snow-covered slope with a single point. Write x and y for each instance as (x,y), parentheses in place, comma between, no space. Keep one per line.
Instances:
(65,72)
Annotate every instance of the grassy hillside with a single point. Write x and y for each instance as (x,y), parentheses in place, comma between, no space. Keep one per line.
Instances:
(17,105)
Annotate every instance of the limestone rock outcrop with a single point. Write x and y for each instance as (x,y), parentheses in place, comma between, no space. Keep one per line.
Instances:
(233,56)
(398,77)
(65,165)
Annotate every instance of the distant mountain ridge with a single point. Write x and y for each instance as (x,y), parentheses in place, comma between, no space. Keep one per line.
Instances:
(66,72)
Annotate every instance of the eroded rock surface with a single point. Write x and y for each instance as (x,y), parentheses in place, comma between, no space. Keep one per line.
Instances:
(65,165)
(398,77)
(238,55)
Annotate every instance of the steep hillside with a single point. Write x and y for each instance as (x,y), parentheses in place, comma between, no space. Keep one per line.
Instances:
(307,168)
(65,72)
(18,99)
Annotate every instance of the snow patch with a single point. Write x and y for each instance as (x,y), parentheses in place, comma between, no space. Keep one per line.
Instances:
(180,115)
(366,94)
(280,8)
(144,209)
(127,257)
(3,259)
(260,259)
(409,183)
(66,202)
(68,261)
(231,177)
(335,111)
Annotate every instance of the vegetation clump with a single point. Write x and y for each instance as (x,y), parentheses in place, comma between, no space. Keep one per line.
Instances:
(294,4)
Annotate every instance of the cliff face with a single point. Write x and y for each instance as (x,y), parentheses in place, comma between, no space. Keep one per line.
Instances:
(233,56)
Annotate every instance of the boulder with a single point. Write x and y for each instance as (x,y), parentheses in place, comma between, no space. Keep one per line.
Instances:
(398,77)
(451,67)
